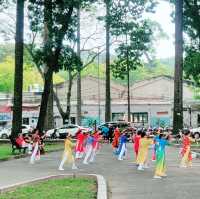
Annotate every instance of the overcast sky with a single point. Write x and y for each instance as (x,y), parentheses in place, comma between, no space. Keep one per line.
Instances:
(164,47)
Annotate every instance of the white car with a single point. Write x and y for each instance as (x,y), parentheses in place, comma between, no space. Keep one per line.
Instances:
(195,132)
(26,129)
(61,132)
(6,132)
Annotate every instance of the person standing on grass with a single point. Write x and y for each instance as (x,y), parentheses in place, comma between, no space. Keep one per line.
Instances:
(36,150)
(68,153)
(186,154)
(160,142)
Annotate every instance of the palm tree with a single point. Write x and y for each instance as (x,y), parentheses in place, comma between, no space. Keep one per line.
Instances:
(18,79)
(178,73)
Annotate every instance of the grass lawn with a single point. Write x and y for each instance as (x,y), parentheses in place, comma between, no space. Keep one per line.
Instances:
(6,150)
(65,188)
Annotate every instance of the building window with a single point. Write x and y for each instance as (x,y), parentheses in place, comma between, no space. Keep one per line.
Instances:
(26,120)
(117,116)
(198,120)
(140,117)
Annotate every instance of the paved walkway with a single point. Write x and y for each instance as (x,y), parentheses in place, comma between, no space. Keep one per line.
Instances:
(124,181)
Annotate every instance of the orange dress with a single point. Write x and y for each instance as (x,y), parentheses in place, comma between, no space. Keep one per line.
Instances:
(186,152)
(115,142)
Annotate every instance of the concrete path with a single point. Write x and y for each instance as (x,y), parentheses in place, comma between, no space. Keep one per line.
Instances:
(124,181)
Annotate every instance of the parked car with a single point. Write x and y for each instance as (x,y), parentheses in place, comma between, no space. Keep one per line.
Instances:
(195,132)
(6,132)
(26,129)
(62,131)
(119,124)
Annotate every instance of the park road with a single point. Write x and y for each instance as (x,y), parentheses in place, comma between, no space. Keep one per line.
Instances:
(124,181)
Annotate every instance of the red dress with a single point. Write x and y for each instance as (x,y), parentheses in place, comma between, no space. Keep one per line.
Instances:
(95,144)
(186,147)
(80,143)
(136,145)
(115,142)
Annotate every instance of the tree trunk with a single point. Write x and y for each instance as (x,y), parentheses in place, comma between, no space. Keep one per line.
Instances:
(68,110)
(108,98)
(49,119)
(45,96)
(18,79)
(65,115)
(79,72)
(178,75)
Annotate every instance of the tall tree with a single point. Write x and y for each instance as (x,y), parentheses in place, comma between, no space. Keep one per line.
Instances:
(178,73)
(108,97)
(18,80)
(61,19)
(79,70)
(136,37)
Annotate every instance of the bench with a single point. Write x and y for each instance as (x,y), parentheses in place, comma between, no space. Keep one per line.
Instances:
(15,146)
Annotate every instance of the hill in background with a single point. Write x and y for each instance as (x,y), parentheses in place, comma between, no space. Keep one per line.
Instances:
(31,76)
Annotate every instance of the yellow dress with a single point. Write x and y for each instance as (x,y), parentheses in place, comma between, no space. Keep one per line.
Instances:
(143,150)
(68,150)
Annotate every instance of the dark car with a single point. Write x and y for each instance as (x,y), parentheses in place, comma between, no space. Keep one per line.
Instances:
(120,124)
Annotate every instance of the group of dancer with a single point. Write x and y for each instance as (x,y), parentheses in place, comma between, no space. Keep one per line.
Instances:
(86,147)
(143,139)
(88,143)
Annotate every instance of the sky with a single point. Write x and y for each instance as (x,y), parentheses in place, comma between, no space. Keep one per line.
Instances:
(164,47)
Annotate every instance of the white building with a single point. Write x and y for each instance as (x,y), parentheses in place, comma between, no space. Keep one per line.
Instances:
(151,102)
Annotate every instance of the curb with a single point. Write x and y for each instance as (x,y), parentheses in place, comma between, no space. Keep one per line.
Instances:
(101,183)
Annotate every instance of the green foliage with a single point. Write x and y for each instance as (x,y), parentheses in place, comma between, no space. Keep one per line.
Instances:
(31,76)
(192,65)
(141,73)
(6,75)
(191,27)
(59,20)
(136,34)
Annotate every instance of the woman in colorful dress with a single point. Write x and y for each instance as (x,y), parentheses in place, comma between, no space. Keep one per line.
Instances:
(95,145)
(36,150)
(160,142)
(186,154)
(136,142)
(80,144)
(144,144)
(115,142)
(88,148)
(68,153)
(121,150)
